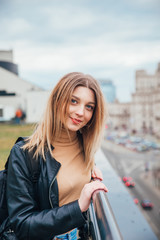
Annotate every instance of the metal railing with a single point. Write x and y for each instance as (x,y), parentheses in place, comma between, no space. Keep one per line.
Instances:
(103,225)
(114,215)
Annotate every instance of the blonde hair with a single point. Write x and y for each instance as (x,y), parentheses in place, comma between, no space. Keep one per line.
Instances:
(51,125)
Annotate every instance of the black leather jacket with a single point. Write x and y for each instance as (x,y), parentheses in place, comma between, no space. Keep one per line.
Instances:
(38,217)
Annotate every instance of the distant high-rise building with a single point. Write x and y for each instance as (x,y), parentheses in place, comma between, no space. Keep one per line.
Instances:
(109,90)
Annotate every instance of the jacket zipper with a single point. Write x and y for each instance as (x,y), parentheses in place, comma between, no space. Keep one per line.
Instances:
(50,191)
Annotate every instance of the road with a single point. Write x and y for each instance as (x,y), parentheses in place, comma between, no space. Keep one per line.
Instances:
(129,163)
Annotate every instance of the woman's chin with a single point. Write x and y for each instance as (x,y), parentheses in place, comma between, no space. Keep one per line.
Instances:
(73,128)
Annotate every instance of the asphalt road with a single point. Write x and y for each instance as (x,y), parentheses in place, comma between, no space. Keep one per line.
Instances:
(129,163)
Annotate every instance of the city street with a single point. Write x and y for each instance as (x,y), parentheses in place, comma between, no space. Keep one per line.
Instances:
(133,164)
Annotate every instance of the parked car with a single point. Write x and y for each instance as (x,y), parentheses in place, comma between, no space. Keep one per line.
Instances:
(125,179)
(136,201)
(146,204)
(129,183)
(142,148)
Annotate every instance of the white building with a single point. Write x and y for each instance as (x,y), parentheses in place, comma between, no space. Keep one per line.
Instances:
(143,113)
(119,115)
(13,89)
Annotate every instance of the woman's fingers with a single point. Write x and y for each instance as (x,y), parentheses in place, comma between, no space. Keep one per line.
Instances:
(97,174)
(87,193)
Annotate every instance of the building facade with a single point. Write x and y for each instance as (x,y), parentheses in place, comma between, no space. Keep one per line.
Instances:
(145,111)
(142,114)
(119,115)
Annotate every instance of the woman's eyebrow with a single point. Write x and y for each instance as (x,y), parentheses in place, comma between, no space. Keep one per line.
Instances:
(79,99)
(76,97)
(93,103)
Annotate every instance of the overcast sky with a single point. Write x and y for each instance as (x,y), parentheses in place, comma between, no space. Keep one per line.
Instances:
(109,39)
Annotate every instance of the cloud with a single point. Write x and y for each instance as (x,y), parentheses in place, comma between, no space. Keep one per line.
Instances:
(145,4)
(102,38)
(71,19)
(96,54)
(19,28)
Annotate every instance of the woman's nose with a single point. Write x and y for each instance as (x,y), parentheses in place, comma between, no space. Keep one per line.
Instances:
(80,110)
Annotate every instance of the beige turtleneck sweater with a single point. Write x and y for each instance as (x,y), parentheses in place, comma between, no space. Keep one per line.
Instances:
(72,176)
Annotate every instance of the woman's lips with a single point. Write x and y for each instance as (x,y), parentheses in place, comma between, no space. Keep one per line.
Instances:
(76,121)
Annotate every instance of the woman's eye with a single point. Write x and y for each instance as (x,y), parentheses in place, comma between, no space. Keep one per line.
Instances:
(89,107)
(73,101)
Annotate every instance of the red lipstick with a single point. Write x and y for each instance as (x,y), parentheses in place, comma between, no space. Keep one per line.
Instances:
(76,121)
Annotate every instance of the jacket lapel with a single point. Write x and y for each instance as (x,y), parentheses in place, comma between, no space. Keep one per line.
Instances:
(52,167)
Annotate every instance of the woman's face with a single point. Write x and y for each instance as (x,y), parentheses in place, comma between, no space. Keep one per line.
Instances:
(81,108)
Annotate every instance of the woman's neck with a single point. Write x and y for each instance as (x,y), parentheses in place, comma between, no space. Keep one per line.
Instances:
(65,136)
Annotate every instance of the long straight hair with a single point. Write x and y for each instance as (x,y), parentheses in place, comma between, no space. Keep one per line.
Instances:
(49,128)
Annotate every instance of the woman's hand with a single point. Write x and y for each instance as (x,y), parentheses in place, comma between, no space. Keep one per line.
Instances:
(97,174)
(87,192)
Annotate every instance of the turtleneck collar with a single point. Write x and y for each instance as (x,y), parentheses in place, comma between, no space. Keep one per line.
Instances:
(65,138)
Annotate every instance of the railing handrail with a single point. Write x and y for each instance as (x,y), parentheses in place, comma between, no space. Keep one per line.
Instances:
(104,226)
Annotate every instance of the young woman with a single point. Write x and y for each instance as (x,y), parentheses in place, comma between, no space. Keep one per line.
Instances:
(64,143)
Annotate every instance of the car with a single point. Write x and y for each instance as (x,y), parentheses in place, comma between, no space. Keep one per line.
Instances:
(136,201)
(146,204)
(130,183)
(142,148)
(125,179)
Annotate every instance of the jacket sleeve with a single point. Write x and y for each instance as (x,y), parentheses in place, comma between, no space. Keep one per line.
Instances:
(27,222)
